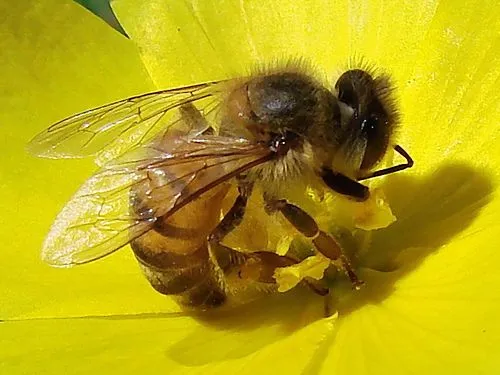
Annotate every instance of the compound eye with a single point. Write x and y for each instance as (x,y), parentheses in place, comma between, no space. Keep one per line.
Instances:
(369,126)
(375,130)
(374,115)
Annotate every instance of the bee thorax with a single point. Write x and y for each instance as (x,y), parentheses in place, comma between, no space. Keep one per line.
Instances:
(293,165)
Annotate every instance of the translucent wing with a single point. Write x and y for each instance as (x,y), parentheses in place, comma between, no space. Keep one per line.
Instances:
(115,128)
(124,199)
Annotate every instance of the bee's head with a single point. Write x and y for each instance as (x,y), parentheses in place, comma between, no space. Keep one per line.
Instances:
(368,117)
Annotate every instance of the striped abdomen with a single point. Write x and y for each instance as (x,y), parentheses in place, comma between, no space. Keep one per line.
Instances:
(174,255)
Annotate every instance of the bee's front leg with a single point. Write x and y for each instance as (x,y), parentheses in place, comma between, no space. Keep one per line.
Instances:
(306,225)
(344,185)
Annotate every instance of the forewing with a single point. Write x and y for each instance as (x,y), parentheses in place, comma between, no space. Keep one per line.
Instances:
(96,221)
(125,198)
(115,128)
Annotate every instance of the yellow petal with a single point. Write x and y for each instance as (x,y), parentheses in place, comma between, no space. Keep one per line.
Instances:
(150,343)
(429,304)
(57,59)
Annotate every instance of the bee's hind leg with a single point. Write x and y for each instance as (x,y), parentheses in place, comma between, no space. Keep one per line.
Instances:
(256,266)
(259,266)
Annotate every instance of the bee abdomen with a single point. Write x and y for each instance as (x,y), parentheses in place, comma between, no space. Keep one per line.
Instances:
(191,278)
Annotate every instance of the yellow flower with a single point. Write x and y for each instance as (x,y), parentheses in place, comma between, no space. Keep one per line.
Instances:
(430,304)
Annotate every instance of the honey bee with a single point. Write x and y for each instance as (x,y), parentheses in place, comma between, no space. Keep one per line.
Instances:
(168,159)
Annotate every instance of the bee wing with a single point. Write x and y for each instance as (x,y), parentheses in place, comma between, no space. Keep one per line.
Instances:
(115,128)
(124,199)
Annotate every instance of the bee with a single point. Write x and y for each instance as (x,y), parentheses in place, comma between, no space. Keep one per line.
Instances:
(168,159)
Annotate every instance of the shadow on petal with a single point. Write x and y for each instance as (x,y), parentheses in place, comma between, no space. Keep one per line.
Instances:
(240,331)
(430,212)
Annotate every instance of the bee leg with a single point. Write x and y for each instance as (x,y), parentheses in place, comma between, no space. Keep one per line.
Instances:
(344,185)
(323,242)
(328,306)
(225,256)
(260,266)
(234,216)
(257,266)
